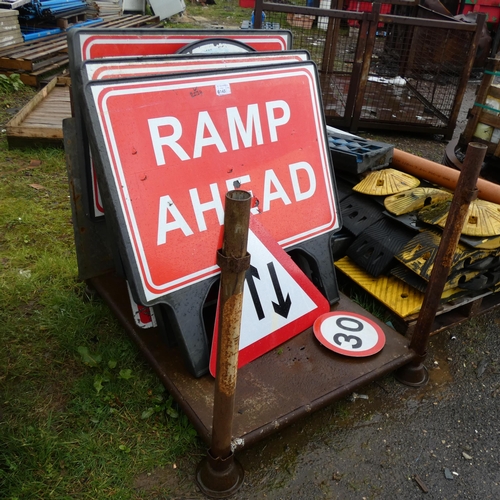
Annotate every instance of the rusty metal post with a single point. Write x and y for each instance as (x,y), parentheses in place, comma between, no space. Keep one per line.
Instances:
(220,475)
(415,374)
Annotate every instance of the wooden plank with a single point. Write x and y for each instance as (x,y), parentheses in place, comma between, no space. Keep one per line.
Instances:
(39,52)
(36,45)
(14,40)
(29,80)
(44,71)
(8,14)
(62,58)
(27,61)
(33,43)
(38,133)
(6,63)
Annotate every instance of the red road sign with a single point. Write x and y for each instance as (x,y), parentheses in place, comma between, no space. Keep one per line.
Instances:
(90,44)
(279,300)
(349,334)
(109,68)
(173,147)
(116,44)
(123,68)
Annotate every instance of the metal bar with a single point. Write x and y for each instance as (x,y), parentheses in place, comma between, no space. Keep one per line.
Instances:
(219,474)
(439,114)
(357,69)
(365,67)
(233,260)
(384,18)
(257,15)
(332,35)
(415,374)
(313,11)
(462,86)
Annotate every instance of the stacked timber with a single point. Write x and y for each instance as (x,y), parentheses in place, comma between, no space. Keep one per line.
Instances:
(35,59)
(107,7)
(10,31)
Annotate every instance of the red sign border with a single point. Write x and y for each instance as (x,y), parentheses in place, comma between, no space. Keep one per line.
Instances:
(257,39)
(289,55)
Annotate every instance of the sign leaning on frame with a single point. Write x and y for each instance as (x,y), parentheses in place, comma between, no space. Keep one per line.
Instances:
(166,150)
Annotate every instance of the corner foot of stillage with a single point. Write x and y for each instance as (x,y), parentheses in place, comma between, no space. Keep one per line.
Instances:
(414,374)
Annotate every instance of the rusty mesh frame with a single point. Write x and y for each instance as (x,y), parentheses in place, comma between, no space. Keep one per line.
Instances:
(396,71)
(415,74)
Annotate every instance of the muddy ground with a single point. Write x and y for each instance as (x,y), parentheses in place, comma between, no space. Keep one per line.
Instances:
(390,441)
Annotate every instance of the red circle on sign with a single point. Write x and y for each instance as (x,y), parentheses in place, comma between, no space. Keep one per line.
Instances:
(349,334)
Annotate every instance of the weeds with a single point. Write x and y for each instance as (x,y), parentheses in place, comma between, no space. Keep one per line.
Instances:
(10,83)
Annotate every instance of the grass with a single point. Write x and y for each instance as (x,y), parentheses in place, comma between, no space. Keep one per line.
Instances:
(81,415)
(226,13)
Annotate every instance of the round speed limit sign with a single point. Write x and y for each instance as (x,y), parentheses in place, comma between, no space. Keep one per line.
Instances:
(349,333)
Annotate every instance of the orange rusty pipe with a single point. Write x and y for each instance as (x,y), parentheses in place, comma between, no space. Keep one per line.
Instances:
(439,174)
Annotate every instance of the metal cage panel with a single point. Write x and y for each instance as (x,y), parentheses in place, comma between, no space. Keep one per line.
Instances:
(382,70)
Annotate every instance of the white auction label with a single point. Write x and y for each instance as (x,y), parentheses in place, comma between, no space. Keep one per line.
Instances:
(349,334)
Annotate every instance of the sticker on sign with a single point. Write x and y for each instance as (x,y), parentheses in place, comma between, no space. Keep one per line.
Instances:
(172,146)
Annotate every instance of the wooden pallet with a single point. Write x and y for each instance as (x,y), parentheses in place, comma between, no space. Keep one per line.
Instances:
(10,32)
(34,60)
(66,21)
(40,121)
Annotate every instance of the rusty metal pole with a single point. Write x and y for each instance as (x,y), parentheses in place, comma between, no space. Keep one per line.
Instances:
(220,475)
(415,374)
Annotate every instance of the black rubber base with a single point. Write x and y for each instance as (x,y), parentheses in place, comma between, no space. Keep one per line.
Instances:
(219,478)
(412,375)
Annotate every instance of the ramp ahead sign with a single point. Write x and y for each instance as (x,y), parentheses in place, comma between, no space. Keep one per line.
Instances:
(171,147)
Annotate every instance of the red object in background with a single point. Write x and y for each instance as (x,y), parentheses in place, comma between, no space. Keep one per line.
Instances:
(490,7)
(247,4)
(355,6)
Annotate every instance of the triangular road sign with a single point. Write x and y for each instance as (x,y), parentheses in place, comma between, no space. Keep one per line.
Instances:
(279,300)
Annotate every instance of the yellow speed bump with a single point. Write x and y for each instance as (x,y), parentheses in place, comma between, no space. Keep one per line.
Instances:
(393,293)
(483,217)
(414,199)
(387,181)
(396,295)
(419,254)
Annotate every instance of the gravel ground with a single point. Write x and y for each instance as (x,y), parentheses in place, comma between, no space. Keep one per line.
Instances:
(384,442)
(373,448)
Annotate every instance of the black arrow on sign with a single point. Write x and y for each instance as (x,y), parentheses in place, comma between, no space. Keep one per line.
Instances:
(249,276)
(283,306)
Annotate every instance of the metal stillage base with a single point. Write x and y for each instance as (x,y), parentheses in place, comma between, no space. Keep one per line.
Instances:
(273,391)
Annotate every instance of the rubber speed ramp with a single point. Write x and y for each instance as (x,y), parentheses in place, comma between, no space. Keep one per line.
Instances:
(396,295)
(393,293)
